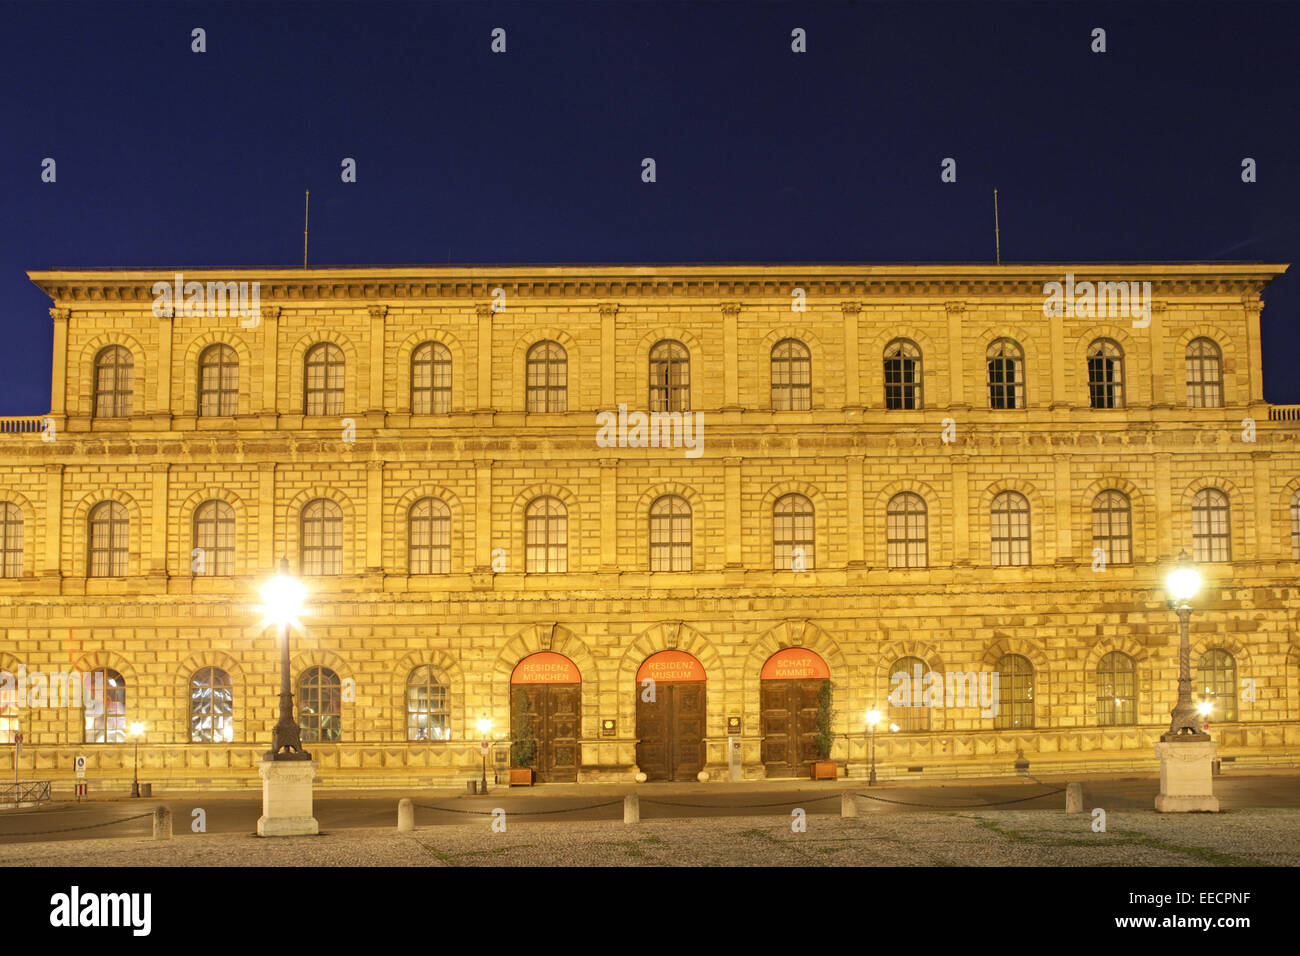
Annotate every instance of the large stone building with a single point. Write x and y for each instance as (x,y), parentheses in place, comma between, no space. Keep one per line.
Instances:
(878,470)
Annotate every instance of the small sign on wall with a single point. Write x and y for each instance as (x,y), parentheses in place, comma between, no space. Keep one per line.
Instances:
(733,726)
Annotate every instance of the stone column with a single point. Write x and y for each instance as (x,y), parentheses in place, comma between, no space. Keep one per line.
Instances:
(1164,508)
(59,382)
(483,521)
(730,357)
(158,523)
(266,519)
(608,350)
(857,525)
(961,510)
(1162,392)
(162,407)
(956,351)
(1265,541)
(1064,507)
(1060,387)
(1254,360)
(483,382)
(852,371)
(270,365)
(377,402)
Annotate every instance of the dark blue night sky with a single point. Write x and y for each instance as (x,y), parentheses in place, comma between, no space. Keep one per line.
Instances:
(170,158)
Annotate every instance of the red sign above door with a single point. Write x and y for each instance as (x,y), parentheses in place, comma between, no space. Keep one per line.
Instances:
(546,667)
(670,667)
(794,663)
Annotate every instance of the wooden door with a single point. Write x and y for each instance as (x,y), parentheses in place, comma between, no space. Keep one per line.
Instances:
(789,722)
(670,731)
(553,715)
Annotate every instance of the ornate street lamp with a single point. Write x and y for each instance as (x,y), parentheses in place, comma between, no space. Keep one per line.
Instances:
(873,718)
(137,730)
(484,728)
(282,599)
(1182,583)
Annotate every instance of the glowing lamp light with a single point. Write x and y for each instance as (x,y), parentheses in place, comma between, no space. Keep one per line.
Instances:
(1183,581)
(282,600)
(894,728)
(137,729)
(485,727)
(1204,708)
(873,718)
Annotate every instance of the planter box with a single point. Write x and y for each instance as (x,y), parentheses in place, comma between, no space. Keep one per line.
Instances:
(824,770)
(521,778)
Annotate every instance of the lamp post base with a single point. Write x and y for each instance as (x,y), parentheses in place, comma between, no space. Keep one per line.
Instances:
(286,798)
(1186,779)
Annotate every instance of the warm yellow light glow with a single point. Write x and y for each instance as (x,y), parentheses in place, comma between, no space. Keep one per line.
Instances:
(873,718)
(282,599)
(1183,582)
(1204,708)
(137,729)
(485,726)
(894,728)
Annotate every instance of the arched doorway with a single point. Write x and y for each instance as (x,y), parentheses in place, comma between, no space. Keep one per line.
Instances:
(790,686)
(546,693)
(670,715)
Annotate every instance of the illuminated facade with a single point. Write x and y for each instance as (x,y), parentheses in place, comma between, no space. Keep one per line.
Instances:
(526,492)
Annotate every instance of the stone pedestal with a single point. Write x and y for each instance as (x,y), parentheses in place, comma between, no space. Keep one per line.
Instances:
(286,798)
(1186,783)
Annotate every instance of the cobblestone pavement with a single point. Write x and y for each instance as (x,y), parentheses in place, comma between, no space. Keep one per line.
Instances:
(1137,838)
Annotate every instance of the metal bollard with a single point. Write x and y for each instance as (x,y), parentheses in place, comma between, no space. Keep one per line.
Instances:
(848,804)
(405,815)
(162,823)
(631,808)
(1074,798)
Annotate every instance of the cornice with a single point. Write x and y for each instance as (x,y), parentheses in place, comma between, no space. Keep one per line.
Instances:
(363,286)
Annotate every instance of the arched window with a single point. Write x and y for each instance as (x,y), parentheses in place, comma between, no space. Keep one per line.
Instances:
(670,534)
(1116,690)
(320,705)
(11,540)
(9,707)
(1010,529)
(906,536)
(218,381)
(909,707)
(670,377)
(429,534)
(1105,374)
(428,715)
(1015,693)
(431,379)
(1218,683)
(1006,365)
(105,717)
(1112,527)
(212,707)
(548,378)
(902,374)
(322,537)
(114,367)
(214,534)
(325,371)
(1204,374)
(546,536)
(110,540)
(793,534)
(1211,534)
(1295,526)
(791,376)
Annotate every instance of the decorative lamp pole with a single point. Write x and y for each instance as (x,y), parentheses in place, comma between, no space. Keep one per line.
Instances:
(484,728)
(1183,582)
(137,730)
(283,598)
(873,718)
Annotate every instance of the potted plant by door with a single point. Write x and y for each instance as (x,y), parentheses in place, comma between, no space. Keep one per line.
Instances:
(823,768)
(523,748)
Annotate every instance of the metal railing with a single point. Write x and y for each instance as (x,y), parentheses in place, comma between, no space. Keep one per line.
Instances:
(25,791)
(22,424)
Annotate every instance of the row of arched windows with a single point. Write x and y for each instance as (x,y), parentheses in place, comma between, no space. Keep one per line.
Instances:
(1115,685)
(427,702)
(546,534)
(547,378)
